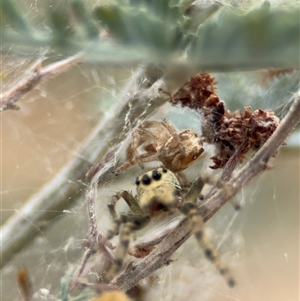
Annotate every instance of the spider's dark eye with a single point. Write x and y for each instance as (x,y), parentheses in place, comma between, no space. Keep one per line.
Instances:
(164,170)
(146,180)
(137,182)
(156,175)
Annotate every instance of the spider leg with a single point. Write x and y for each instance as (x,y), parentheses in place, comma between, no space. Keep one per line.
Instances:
(220,184)
(135,143)
(197,186)
(190,209)
(149,156)
(132,223)
(117,220)
(128,198)
(140,135)
(195,189)
(193,214)
(174,134)
(131,152)
(124,166)
(169,127)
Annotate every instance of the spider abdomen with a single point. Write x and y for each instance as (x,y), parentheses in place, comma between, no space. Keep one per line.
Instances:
(180,151)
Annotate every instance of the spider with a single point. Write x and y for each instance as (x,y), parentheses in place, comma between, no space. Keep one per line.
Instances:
(160,141)
(157,191)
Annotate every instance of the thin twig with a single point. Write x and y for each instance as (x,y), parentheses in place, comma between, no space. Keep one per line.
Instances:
(162,253)
(60,193)
(8,100)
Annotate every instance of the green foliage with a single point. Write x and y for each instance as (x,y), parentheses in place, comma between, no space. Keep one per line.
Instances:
(154,25)
(262,38)
(215,37)
(85,27)
(10,14)
(61,28)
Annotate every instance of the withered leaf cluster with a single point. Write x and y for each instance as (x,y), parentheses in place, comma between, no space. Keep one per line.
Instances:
(233,133)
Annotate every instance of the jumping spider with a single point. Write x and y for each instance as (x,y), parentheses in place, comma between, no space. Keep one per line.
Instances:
(161,141)
(158,190)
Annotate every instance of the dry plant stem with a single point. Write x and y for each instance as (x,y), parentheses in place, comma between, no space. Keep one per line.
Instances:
(232,163)
(9,99)
(62,192)
(132,274)
(92,216)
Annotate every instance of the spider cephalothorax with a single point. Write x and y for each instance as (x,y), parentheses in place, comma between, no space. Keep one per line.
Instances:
(157,189)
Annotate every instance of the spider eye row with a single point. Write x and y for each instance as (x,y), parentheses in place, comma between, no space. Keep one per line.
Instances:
(146,179)
(156,175)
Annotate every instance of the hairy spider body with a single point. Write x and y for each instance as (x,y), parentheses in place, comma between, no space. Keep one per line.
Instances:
(159,141)
(159,190)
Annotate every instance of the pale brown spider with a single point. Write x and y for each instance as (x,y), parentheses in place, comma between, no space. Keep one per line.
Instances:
(158,191)
(160,141)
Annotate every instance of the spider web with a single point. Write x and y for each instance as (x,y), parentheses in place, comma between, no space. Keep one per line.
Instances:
(260,243)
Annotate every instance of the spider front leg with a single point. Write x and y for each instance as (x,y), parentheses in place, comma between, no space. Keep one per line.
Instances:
(117,220)
(190,208)
(128,223)
(131,223)
(196,188)
(128,198)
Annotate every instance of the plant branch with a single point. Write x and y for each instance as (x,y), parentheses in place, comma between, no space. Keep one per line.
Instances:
(38,73)
(133,273)
(62,192)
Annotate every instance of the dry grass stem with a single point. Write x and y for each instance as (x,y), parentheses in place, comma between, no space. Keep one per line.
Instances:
(9,99)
